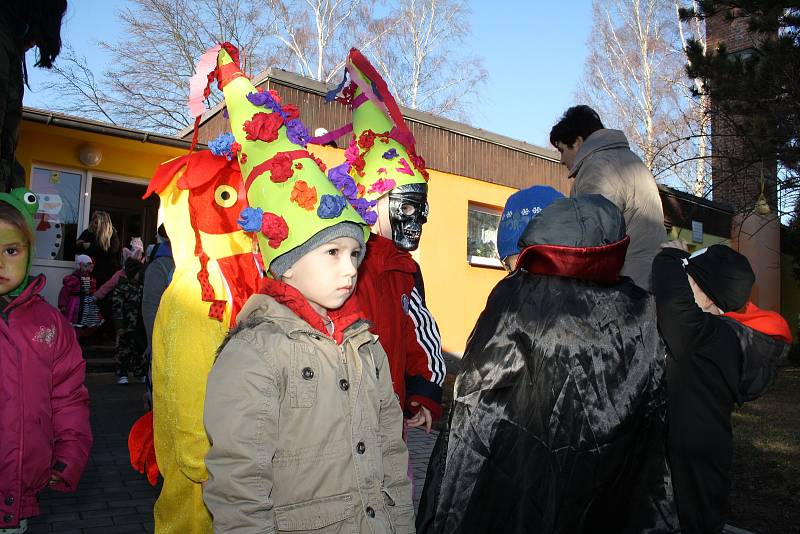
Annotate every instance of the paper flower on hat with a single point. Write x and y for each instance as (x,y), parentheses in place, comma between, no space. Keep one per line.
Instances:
(225,145)
(304,195)
(290,197)
(379,132)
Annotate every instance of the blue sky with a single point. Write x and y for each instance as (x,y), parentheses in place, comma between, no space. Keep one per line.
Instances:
(533,50)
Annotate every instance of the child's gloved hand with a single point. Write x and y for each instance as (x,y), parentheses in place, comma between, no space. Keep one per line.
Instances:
(422,417)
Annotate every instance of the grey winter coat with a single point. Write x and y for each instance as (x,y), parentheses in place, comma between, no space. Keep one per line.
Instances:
(156,279)
(305,434)
(606,165)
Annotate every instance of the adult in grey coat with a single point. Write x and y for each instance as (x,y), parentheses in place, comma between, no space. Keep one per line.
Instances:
(156,279)
(601,162)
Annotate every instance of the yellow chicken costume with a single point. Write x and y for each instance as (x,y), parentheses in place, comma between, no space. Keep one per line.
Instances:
(216,270)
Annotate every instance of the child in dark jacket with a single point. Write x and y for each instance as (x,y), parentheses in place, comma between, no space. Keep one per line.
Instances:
(126,302)
(722,350)
(44,407)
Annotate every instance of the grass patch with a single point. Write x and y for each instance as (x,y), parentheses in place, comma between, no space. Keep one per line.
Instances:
(765,494)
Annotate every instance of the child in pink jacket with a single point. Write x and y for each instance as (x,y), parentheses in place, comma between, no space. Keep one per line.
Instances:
(44,407)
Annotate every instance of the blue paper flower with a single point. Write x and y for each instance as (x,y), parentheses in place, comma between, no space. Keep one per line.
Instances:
(221,146)
(390,154)
(297,132)
(250,219)
(364,208)
(342,180)
(331,206)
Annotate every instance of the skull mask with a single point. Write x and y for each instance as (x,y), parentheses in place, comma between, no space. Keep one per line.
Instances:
(408,211)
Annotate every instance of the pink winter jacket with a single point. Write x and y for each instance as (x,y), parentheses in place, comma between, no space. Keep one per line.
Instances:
(44,406)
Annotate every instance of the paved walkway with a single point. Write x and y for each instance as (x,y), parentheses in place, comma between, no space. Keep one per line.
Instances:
(113,498)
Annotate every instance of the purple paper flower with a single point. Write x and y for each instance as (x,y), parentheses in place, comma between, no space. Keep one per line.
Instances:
(297,132)
(225,112)
(261,99)
(342,180)
(364,208)
(331,206)
(266,100)
(390,154)
(250,219)
(221,146)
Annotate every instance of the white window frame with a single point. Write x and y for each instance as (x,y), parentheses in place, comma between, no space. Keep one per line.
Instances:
(82,208)
(90,175)
(480,261)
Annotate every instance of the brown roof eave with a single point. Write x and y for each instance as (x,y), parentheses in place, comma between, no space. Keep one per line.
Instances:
(700,201)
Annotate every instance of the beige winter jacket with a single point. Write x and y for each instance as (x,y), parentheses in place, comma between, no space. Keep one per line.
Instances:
(306,435)
(605,165)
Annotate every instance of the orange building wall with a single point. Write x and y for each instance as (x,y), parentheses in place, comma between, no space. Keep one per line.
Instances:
(52,145)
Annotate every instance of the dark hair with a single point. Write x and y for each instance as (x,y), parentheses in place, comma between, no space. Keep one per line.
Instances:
(12,216)
(162,231)
(577,121)
(44,29)
(132,268)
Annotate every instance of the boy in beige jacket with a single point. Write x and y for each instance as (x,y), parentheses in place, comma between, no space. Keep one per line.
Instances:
(305,429)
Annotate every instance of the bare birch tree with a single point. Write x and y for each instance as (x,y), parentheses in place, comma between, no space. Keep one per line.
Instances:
(635,77)
(698,122)
(319,33)
(147,83)
(421,60)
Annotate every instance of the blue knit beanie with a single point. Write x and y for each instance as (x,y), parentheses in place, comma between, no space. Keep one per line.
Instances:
(520,208)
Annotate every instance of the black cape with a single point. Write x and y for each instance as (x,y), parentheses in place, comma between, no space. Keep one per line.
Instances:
(558,420)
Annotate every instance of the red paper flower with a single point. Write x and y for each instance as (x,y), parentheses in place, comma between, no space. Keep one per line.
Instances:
(275,96)
(319,162)
(263,127)
(292,112)
(274,228)
(280,167)
(243,158)
(361,190)
(358,164)
(419,163)
(298,166)
(347,94)
(366,140)
(304,195)
(235,148)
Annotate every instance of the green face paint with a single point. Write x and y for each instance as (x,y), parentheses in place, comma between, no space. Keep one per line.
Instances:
(14,252)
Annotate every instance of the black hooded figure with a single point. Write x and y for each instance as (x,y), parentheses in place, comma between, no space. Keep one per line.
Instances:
(558,418)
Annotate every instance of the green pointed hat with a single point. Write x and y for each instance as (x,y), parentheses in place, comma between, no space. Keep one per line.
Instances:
(24,201)
(381,154)
(290,197)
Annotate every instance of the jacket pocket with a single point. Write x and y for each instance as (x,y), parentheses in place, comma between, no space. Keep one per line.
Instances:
(333,514)
(401,518)
(303,377)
